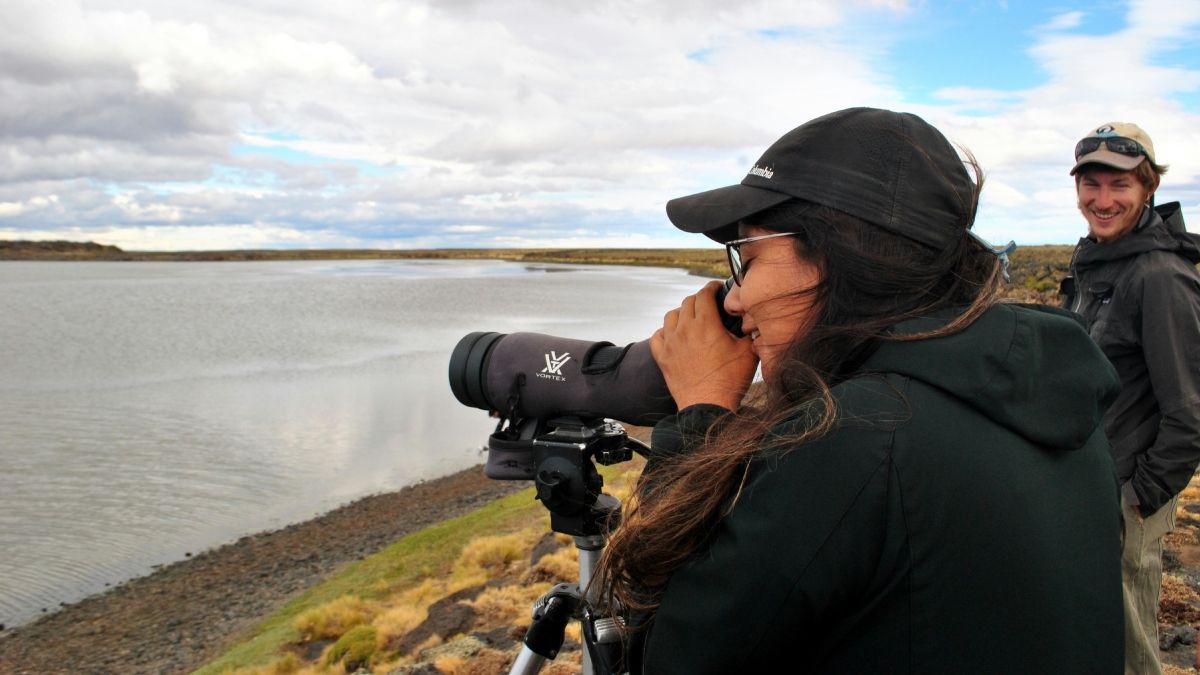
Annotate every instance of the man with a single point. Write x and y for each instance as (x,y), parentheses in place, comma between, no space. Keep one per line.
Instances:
(1134,280)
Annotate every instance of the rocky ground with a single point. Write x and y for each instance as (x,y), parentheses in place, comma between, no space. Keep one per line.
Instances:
(1179,607)
(489,648)
(188,613)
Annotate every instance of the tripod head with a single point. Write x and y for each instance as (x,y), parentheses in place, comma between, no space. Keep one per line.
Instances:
(560,456)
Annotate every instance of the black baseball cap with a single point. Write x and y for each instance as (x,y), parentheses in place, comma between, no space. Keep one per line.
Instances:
(891,169)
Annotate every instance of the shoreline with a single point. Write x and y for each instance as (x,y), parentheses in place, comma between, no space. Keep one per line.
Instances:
(187,613)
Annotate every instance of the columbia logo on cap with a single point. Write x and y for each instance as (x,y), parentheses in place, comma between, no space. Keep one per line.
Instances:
(760,171)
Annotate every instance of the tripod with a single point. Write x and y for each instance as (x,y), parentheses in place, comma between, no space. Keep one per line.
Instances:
(558,455)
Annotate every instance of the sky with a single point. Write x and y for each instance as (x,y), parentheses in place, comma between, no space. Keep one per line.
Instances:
(217,124)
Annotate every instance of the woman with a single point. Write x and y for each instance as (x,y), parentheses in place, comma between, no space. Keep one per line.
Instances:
(922,486)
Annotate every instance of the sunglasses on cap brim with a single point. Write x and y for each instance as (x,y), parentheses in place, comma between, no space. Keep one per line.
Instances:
(1117,144)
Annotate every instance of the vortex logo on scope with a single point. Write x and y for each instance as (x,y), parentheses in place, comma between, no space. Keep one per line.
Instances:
(554,364)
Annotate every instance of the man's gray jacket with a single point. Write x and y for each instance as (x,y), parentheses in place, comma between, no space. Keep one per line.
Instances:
(1140,296)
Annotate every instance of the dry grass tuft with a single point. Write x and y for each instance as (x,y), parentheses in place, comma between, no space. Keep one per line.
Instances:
(288,664)
(489,661)
(574,631)
(508,604)
(334,619)
(400,619)
(562,565)
(1191,493)
(486,662)
(621,485)
(423,594)
(450,665)
(494,555)
(386,663)
(565,664)
(1179,602)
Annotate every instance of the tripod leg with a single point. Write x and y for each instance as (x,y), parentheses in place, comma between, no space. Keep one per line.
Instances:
(590,548)
(528,662)
(551,613)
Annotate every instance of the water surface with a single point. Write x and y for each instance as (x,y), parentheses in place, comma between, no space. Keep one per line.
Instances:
(148,409)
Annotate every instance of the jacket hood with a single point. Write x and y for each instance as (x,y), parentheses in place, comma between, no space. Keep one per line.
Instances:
(1160,229)
(1030,368)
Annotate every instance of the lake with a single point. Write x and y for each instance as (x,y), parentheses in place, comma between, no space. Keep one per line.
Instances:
(149,410)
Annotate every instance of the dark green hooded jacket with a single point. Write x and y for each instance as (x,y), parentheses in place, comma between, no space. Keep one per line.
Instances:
(1140,297)
(962,517)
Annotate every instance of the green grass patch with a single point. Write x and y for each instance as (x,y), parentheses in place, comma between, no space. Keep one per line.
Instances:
(354,648)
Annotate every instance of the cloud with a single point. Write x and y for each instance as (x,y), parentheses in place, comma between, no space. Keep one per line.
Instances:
(1026,137)
(464,123)
(468,229)
(1064,21)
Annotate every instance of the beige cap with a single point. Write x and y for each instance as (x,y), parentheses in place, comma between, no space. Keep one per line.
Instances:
(1109,144)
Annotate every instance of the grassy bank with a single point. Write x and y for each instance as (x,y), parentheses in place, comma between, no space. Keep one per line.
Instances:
(454,599)
(427,554)
(429,599)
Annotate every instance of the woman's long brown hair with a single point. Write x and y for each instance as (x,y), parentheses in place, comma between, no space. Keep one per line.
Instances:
(871,280)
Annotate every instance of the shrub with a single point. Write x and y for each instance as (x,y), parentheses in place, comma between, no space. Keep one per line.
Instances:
(494,555)
(334,619)
(353,649)
(289,663)
(398,620)
(508,604)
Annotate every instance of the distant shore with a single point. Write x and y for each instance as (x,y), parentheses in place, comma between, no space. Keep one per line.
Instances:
(708,262)
(1034,271)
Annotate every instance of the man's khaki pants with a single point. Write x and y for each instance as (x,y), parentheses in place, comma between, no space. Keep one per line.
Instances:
(1141,574)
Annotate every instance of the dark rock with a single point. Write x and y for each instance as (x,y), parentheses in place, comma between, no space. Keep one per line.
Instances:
(1181,635)
(498,638)
(1186,521)
(546,545)
(312,651)
(418,669)
(444,620)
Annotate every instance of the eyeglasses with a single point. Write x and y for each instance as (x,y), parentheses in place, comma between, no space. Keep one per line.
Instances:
(733,250)
(1117,144)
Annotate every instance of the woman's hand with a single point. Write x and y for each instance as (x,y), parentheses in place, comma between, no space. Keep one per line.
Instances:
(700,360)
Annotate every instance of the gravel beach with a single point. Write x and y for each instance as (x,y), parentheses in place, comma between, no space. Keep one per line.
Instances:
(185,614)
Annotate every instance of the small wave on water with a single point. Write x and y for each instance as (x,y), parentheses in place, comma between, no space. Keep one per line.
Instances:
(105,494)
